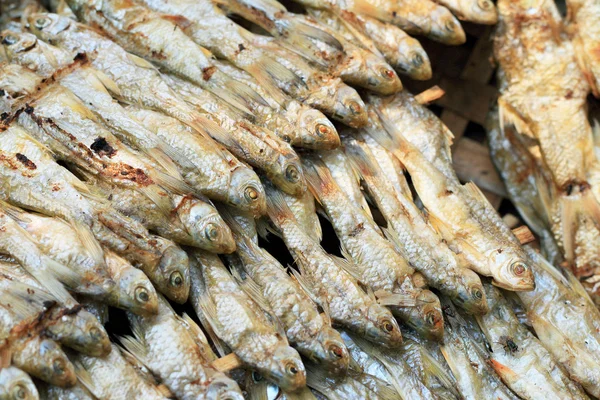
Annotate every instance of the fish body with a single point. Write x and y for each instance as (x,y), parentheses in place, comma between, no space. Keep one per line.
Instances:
(242,325)
(478,11)
(580,24)
(326,277)
(16,384)
(166,344)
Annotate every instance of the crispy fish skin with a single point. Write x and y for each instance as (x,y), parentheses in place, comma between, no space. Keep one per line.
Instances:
(378,264)
(581,26)
(307,331)
(566,322)
(167,346)
(478,11)
(325,277)
(423,247)
(16,384)
(242,325)
(112,377)
(520,360)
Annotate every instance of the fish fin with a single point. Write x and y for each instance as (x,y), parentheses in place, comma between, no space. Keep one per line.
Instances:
(208,318)
(448,133)
(153,194)
(432,367)
(69,100)
(502,370)
(141,62)
(300,31)
(345,263)
(319,178)
(395,299)
(277,208)
(319,380)
(171,183)
(302,394)
(306,288)
(392,236)
(25,301)
(251,288)
(58,276)
(569,219)
(89,241)
(103,82)
(441,227)
(164,155)
(199,337)
(244,93)
(49,56)
(15,213)
(268,72)
(136,347)
(545,265)
(590,206)
(85,378)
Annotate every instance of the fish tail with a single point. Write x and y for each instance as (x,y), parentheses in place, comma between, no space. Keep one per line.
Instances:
(277,208)
(319,179)
(164,155)
(268,72)
(239,94)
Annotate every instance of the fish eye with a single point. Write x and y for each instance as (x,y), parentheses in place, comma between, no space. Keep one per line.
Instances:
(10,39)
(250,193)
(322,130)
(141,295)
(58,366)
(477,293)
(336,350)
(450,26)
(291,368)
(256,376)
(417,59)
(212,232)
(355,108)
(387,325)
(41,23)
(176,279)
(95,333)
(387,73)
(431,317)
(292,173)
(19,392)
(484,4)
(518,268)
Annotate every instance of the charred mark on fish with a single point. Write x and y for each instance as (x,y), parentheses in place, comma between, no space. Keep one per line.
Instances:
(102,148)
(26,161)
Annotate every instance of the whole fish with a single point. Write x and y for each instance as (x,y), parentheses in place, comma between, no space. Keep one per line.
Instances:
(544,97)
(416,17)
(520,360)
(566,322)
(403,52)
(377,264)
(16,385)
(306,330)
(487,252)
(207,167)
(166,345)
(580,25)
(242,325)
(477,11)
(389,368)
(112,377)
(294,122)
(34,181)
(325,277)
(423,247)
(468,360)
(140,30)
(66,321)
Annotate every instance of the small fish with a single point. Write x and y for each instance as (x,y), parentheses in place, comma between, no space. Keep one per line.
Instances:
(242,325)
(112,377)
(307,331)
(518,357)
(584,32)
(16,385)
(255,145)
(326,278)
(377,264)
(477,11)
(402,51)
(468,360)
(423,247)
(167,345)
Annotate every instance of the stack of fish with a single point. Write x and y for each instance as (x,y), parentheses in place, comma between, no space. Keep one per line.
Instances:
(148,144)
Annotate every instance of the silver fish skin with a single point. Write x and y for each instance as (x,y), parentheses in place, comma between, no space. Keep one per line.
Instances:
(518,357)
(468,360)
(303,127)
(242,325)
(477,11)
(376,262)
(389,368)
(16,384)
(112,377)
(307,331)
(77,392)
(255,145)
(166,344)
(416,239)
(144,32)
(206,166)
(305,212)
(327,279)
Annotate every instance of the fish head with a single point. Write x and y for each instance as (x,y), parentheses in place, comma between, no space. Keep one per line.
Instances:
(222,387)
(205,225)
(446,28)
(52,365)
(134,292)
(48,26)
(511,270)
(344,103)
(417,65)
(81,331)
(426,316)
(470,294)
(15,43)
(484,12)
(291,180)
(382,327)
(247,193)
(285,368)
(320,133)
(381,76)
(172,277)
(16,385)
(329,351)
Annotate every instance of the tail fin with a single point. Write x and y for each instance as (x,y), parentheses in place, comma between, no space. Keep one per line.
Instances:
(269,73)
(277,208)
